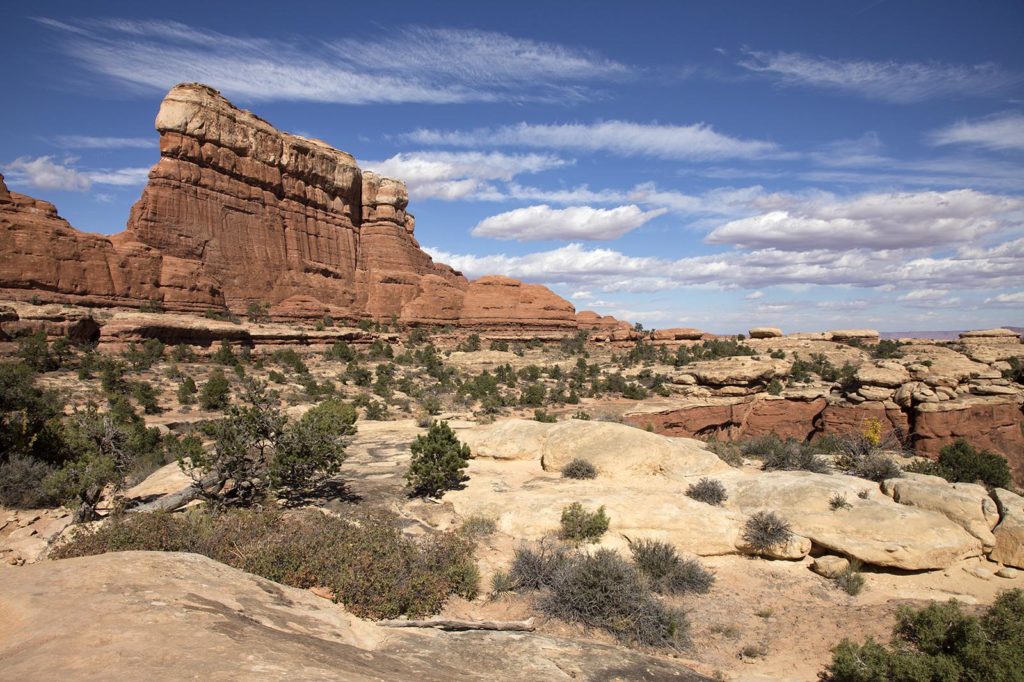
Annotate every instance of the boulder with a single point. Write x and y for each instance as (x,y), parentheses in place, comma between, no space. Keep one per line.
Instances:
(830,566)
(765,333)
(844,335)
(677,334)
(890,375)
(877,531)
(1009,534)
(966,504)
(794,549)
(736,371)
(990,334)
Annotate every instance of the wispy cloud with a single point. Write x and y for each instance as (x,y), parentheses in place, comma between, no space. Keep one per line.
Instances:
(92,142)
(893,81)
(459,175)
(540,223)
(695,142)
(408,64)
(873,221)
(1013,299)
(1002,131)
(44,172)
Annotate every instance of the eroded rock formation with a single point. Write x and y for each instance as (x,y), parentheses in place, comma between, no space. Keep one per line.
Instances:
(238,212)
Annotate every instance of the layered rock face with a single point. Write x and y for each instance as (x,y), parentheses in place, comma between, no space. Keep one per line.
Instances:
(934,393)
(237,212)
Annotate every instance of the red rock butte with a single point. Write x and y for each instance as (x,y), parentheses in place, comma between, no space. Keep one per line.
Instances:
(237,212)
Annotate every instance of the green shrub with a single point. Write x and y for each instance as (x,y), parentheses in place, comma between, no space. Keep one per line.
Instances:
(543,416)
(29,416)
(730,453)
(766,529)
(187,391)
(962,462)
(374,569)
(216,392)
(579,469)
(605,591)
(775,387)
(40,356)
(312,449)
(145,396)
(667,571)
(438,461)
(501,583)
(707,490)
(22,483)
(376,410)
(940,642)
(580,525)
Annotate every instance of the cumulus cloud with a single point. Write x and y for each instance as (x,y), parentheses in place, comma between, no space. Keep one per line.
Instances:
(894,81)
(46,173)
(539,223)
(1004,131)
(409,64)
(874,221)
(695,142)
(459,175)
(93,142)
(609,270)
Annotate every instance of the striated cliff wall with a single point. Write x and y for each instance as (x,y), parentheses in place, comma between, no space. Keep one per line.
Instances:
(237,212)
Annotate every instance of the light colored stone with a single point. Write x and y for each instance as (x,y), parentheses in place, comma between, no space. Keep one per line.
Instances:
(1008,572)
(877,531)
(966,504)
(765,333)
(737,371)
(830,566)
(990,333)
(1009,533)
(890,375)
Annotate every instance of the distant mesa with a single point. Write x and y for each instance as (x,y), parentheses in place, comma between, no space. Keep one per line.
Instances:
(237,212)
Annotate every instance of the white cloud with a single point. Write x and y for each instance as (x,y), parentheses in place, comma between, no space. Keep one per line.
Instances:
(408,64)
(538,223)
(91,142)
(893,81)
(874,221)
(124,177)
(1004,131)
(459,175)
(609,270)
(754,295)
(43,172)
(1010,300)
(695,142)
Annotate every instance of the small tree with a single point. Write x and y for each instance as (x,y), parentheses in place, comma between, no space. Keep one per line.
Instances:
(216,393)
(313,448)
(187,391)
(438,460)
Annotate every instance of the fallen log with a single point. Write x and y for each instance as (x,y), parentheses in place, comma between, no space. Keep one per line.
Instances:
(446,624)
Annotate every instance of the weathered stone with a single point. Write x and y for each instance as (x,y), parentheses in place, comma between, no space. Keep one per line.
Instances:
(966,504)
(890,375)
(854,334)
(1009,533)
(793,549)
(765,332)
(990,333)
(237,212)
(830,566)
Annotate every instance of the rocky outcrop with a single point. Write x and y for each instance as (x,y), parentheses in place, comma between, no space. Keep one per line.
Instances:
(164,615)
(237,212)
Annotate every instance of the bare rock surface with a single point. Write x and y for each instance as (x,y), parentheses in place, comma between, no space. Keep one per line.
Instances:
(1009,533)
(157,615)
(966,504)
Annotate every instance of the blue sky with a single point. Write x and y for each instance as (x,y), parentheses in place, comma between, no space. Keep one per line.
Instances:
(712,164)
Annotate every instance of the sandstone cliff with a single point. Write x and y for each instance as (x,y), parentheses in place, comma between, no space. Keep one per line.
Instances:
(237,212)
